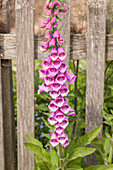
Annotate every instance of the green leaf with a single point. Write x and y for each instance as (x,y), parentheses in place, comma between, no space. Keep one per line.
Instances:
(42,107)
(34,141)
(48,125)
(87,139)
(54,158)
(75,166)
(47,136)
(81,152)
(70,147)
(100,167)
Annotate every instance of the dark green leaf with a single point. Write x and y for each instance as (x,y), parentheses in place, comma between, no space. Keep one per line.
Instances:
(54,158)
(34,141)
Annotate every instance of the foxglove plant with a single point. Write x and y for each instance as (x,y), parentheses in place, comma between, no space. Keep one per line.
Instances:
(55,75)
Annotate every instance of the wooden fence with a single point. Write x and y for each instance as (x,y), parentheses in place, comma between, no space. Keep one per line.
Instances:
(24,46)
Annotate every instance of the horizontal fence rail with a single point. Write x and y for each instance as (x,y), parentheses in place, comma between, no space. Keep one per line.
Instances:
(78,46)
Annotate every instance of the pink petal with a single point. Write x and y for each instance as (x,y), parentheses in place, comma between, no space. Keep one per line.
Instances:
(52,119)
(65,108)
(49,80)
(61,79)
(64,90)
(63,67)
(52,106)
(59,101)
(54,94)
(59,116)
(47,62)
(71,114)
(57,63)
(70,77)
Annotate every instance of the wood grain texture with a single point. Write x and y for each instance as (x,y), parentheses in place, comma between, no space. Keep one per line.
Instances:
(78,46)
(7,88)
(95,66)
(25,80)
(2,151)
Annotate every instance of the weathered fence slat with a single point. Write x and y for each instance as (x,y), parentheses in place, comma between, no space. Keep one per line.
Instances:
(25,80)
(7,114)
(96,35)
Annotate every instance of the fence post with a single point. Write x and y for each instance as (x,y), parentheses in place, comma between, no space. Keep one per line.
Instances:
(25,80)
(96,35)
(7,141)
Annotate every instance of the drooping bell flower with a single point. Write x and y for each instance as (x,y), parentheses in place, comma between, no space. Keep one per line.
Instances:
(64,10)
(53,54)
(70,77)
(48,36)
(49,13)
(58,128)
(46,63)
(66,143)
(59,116)
(56,34)
(62,67)
(56,86)
(46,87)
(57,63)
(65,107)
(53,20)
(52,119)
(59,101)
(44,46)
(46,21)
(49,80)
(49,26)
(55,25)
(47,5)
(71,114)
(58,5)
(62,138)
(54,94)
(61,53)
(53,71)
(52,42)
(40,90)
(56,12)
(51,5)
(42,73)
(61,79)
(60,39)
(54,139)
(55,2)
(42,25)
(52,106)
(64,90)
(64,123)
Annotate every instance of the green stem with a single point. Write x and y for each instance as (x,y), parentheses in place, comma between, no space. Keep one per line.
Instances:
(111,151)
(61,156)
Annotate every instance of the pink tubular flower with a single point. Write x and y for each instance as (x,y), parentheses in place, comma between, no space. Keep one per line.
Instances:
(56,86)
(46,21)
(49,13)
(65,107)
(58,5)
(64,123)
(59,116)
(53,20)
(51,5)
(64,10)
(56,34)
(52,42)
(52,119)
(52,106)
(54,94)
(62,138)
(71,114)
(57,63)
(40,90)
(66,143)
(47,62)
(61,53)
(56,12)
(64,90)
(46,87)
(49,26)
(61,79)
(53,54)
(49,80)
(48,36)
(59,101)
(71,78)
(55,2)
(55,25)
(54,140)
(53,71)
(44,46)
(58,128)
(42,25)
(42,73)
(60,39)
(62,67)
(47,5)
